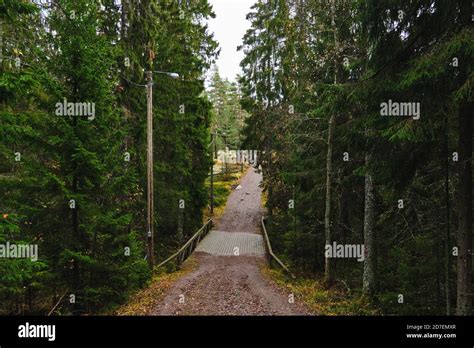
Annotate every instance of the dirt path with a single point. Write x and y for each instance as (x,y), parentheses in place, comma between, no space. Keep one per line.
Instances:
(243,209)
(231,285)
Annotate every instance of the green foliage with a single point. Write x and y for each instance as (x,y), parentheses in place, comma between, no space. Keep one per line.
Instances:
(301,67)
(76,50)
(323,301)
(228,116)
(18,276)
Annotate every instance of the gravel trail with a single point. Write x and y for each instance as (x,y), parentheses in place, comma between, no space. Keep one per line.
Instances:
(231,285)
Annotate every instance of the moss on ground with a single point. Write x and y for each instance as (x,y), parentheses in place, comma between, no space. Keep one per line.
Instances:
(223,186)
(320,300)
(146,300)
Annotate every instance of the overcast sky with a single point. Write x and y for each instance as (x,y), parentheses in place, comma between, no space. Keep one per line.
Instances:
(229,27)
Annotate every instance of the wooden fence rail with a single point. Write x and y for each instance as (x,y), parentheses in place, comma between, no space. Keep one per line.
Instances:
(270,255)
(182,254)
(188,248)
(57,304)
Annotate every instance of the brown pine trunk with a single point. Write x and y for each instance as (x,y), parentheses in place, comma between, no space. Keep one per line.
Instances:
(464,290)
(368,280)
(447,243)
(329,262)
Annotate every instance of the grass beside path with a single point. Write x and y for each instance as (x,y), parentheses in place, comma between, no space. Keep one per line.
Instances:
(145,301)
(223,186)
(320,300)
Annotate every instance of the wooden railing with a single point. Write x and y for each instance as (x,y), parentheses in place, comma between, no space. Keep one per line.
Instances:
(57,303)
(270,255)
(188,248)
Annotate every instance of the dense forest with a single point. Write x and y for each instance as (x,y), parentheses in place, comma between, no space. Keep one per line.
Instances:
(363,112)
(76,186)
(228,115)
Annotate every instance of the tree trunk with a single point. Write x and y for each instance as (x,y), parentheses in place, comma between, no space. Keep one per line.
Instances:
(447,243)
(269,177)
(328,269)
(464,290)
(368,281)
(465,211)
(76,237)
(124,19)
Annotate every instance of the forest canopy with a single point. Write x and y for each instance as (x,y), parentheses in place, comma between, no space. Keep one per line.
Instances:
(360,110)
(363,110)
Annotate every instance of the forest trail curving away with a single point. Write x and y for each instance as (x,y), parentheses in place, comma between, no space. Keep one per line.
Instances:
(224,284)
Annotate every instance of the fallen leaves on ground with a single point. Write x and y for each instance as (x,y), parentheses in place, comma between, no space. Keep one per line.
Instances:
(319,299)
(144,301)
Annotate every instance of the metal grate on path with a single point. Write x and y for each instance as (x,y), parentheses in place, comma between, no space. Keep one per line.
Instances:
(226,243)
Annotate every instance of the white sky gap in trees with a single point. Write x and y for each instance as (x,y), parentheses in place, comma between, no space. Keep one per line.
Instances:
(229,27)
